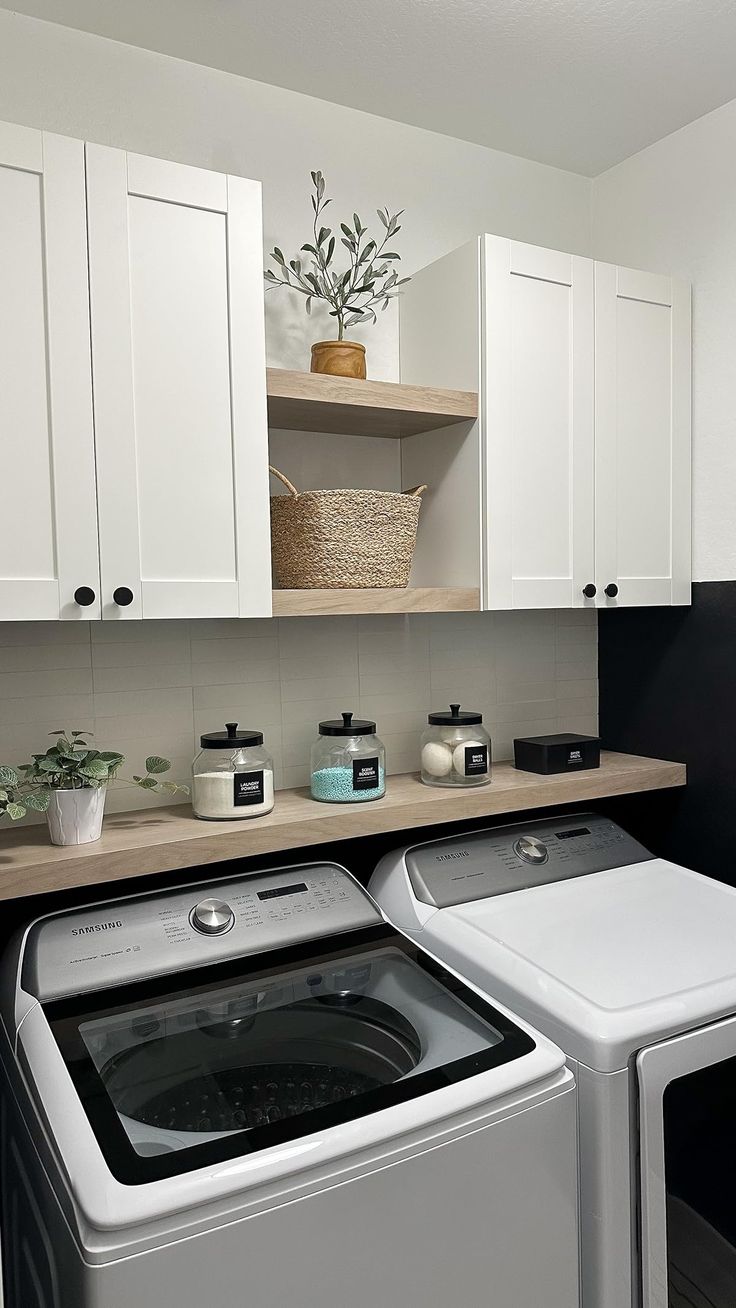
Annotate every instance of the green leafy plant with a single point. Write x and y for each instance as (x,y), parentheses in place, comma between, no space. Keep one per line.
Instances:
(71,763)
(355,293)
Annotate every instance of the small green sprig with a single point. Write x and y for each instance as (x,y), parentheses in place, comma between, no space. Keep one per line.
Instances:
(71,763)
(369,281)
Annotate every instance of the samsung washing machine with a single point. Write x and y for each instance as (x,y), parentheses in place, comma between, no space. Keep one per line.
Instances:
(629,964)
(258,1093)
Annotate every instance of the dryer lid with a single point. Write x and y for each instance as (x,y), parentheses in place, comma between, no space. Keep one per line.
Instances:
(604,964)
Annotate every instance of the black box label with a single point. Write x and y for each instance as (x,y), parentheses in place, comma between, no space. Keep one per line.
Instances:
(476,760)
(575,757)
(247,788)
(365,774)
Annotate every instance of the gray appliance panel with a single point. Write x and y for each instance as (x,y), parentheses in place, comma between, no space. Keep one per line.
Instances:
(485,863)
(153,935)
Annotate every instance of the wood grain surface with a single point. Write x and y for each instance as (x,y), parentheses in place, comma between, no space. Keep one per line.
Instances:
(161,840)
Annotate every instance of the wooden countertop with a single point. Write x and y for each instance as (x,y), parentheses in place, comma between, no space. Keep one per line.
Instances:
(164,839)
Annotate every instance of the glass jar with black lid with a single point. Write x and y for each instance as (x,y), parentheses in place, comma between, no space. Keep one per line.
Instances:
(348,762)
(232,776)
(456,749)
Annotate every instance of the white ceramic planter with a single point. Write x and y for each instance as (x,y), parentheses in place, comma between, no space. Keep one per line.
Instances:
(75,816)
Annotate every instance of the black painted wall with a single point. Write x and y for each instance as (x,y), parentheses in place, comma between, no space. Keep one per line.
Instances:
(668,690)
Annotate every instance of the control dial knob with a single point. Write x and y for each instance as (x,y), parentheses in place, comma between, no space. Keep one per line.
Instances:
(530,849)
(212,917)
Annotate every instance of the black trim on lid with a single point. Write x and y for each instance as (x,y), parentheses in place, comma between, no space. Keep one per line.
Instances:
(231,738)
(454,718)
(65,1016)
(348,727)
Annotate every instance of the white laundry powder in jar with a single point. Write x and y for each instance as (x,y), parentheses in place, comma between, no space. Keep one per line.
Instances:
(232,776)
(215,794)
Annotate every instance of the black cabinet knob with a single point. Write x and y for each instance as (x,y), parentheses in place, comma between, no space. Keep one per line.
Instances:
(84,596)
(123,596)
(589,590)
(612,590)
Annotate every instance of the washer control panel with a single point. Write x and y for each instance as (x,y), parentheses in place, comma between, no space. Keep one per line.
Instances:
(212,917)
(519,857)
(531,850)
(152,935)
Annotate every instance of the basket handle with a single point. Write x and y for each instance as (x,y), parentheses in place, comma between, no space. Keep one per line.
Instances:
(416,491)
(289,486)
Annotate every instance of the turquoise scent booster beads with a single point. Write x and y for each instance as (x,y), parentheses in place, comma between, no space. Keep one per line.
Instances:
(348,762)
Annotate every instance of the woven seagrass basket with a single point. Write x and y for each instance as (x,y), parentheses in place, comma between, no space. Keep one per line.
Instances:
(343,539)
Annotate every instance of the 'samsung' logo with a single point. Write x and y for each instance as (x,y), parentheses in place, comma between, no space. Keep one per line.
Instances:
(96,926)
(455,853)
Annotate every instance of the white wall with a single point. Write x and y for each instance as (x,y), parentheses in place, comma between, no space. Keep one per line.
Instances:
(154,687)
(672,209)
(85,86)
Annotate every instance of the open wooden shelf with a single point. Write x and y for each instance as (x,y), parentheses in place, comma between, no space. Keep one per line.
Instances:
(308,401)
(167,839)
(412,599)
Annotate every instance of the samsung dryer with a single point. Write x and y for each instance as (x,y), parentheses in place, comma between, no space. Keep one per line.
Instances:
(627,962)
(257,1092)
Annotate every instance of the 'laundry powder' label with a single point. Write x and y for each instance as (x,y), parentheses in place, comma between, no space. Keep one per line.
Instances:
(365,773)
(476,760)
(247,788)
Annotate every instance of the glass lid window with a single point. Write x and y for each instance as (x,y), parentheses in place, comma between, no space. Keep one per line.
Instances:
(267,1056)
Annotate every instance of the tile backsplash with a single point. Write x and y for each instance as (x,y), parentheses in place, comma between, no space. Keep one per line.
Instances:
(154,687)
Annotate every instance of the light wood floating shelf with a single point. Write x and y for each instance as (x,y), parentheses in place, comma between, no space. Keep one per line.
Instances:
(308,401)
(416,599)
(166,839)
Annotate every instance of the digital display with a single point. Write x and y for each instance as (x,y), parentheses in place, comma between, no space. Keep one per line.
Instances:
(577,831)
(278,891)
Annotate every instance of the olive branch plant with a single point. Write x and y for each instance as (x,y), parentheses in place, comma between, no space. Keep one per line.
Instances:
(71,764)
(369,281)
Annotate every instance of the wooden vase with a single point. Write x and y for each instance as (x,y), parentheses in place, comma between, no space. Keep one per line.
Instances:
(339,358)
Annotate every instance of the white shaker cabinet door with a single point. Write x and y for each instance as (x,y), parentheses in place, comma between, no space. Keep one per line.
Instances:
(48,521)
(178,356)
(538,422)
(642,392)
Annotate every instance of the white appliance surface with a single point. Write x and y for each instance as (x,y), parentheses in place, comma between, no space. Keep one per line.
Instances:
(606,962)
(603,958)
(380,1191)
(628,962)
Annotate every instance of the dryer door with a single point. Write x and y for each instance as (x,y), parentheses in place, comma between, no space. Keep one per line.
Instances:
(687,1094)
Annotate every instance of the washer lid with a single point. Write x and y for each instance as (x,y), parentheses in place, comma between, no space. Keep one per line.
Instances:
(604,963)
(179,1073)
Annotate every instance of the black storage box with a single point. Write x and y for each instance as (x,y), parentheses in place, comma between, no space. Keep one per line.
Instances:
(564,753)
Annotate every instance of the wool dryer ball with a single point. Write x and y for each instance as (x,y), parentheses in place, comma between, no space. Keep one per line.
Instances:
(458,754)
(437,758)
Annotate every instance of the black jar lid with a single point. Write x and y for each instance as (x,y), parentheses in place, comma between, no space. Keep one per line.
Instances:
(348,727)
(454,718)
(231,738)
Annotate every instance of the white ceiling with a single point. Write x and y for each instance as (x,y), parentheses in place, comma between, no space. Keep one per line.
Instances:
(580,84)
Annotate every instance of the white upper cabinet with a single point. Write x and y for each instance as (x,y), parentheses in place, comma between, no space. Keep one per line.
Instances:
(583,373)
(48,520)
(537,414)
(176,280)
(642,437)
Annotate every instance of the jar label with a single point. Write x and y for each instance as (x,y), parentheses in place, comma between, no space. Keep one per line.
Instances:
(247,788)
(365,774)
(476,760)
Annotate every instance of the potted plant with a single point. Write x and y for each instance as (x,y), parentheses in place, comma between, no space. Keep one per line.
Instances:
(68,783)
(353,294)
